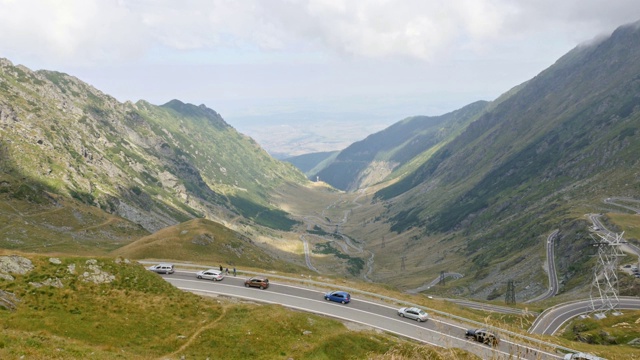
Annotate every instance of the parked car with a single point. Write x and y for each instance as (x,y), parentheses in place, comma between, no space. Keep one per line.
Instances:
(338,296)
(211,274)
(257,281)
(162,268)
(581,356)
(413,313)
(484,336)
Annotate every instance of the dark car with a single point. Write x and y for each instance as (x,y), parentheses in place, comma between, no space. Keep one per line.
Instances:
(338,296)
(484,336)
(257,281)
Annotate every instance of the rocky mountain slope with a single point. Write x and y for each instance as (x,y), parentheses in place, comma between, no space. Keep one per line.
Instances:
(539,160)
(153,165)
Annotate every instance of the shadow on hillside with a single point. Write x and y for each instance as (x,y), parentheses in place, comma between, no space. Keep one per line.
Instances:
(36,217)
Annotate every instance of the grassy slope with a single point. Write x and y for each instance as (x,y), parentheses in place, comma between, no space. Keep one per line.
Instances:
(205,241)
(141,316)
(615,331)
(32,219)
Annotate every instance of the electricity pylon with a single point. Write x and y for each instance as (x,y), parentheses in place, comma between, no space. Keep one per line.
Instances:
(604,288)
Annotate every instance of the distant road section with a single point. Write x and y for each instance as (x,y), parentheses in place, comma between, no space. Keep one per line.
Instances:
(307,256)
(617,201)
(599,228)
(551,270)
(434,282)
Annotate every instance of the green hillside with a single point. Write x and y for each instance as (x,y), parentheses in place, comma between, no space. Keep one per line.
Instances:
(543,157)
(207,242)
(153,165)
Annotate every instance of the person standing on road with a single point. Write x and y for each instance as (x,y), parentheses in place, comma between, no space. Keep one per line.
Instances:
(220,268)
(234,271)
(226,271)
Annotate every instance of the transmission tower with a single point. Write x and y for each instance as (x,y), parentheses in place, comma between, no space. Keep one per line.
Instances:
(510,296)
(402,266)
(604,288)
(442,277)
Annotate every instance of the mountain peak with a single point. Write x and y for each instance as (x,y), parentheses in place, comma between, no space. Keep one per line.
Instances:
(202,110)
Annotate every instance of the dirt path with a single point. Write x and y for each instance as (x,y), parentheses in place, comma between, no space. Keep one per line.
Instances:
(195,335)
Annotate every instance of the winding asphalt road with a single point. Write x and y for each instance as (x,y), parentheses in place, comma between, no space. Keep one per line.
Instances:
(438,331)
(608,234)
(552,319)
(551,270)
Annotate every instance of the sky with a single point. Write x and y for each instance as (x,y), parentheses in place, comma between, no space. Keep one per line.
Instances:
(389,58)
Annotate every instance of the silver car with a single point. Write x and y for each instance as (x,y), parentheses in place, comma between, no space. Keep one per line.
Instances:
(210,274)
(162,268)
(413,313)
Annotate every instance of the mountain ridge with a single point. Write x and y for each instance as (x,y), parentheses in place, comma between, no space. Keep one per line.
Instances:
(154,165)
(383,152)
(552,148)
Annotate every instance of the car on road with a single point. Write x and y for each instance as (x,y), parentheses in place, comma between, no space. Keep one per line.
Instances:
(338,296)
(257,281)
(211,274)
(484,336)
(581,356)
(413,313)
(162,268)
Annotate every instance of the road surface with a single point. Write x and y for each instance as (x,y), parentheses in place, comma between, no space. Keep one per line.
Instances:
(552,319)
(551,270)
(438,331)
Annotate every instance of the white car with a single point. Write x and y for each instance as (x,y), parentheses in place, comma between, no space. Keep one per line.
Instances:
(210,274)
(413,313)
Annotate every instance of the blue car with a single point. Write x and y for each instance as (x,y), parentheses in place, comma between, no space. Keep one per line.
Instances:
(338,296)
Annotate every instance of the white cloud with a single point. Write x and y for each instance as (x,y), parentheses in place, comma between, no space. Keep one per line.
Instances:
(74,30)
(411,55)
(95,31)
